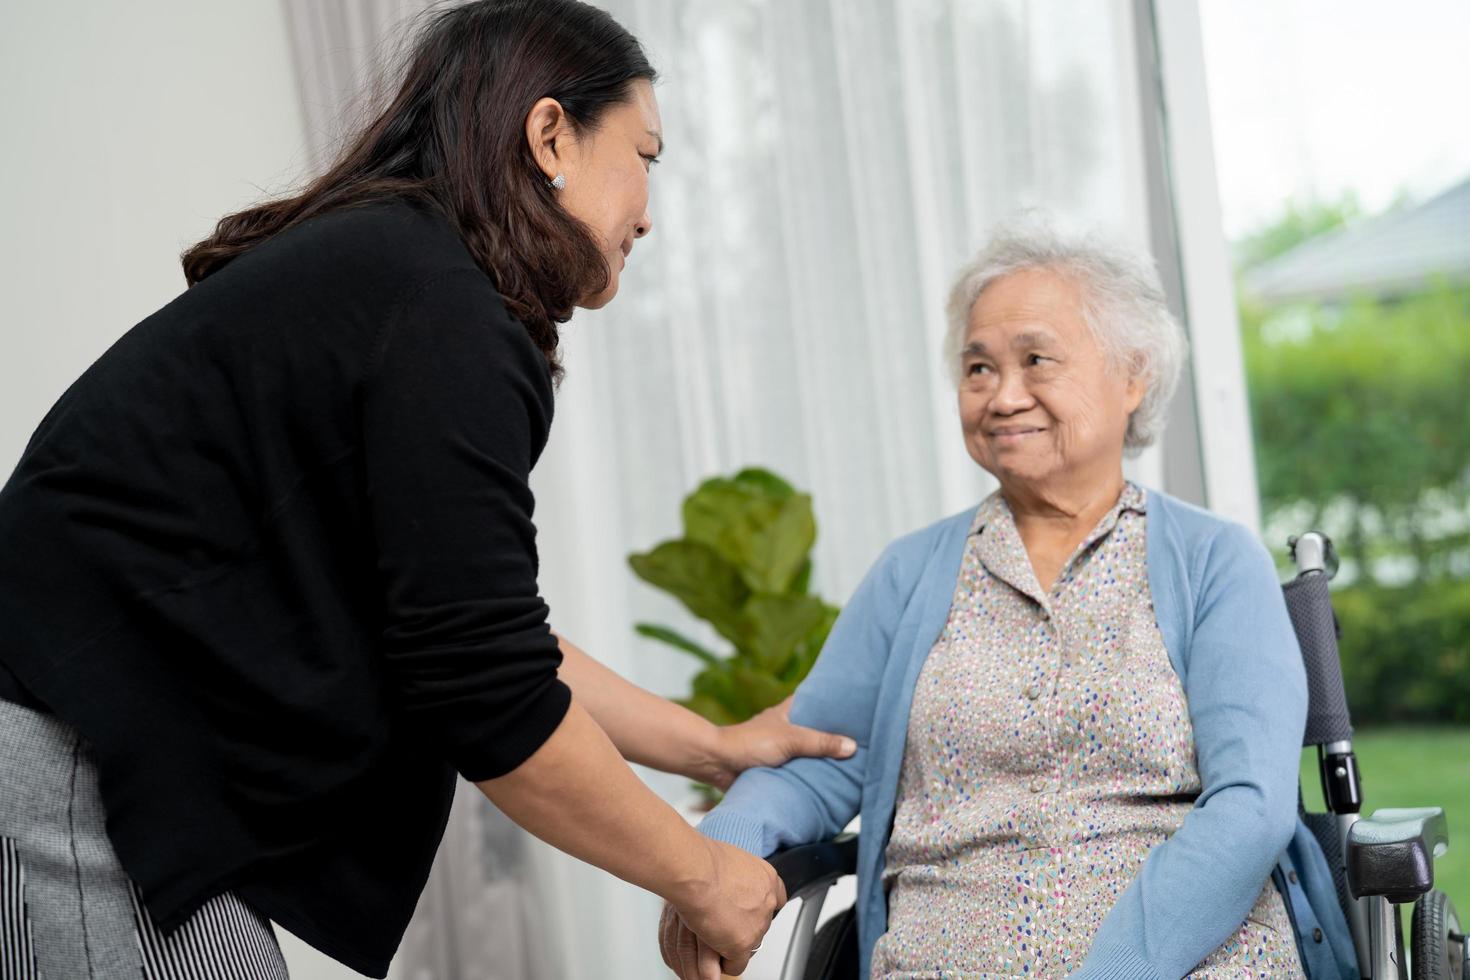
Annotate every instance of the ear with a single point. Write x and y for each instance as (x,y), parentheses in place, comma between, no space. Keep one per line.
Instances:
(1134,392)
(548,133)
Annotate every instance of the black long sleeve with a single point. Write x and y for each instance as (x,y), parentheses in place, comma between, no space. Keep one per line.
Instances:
(272,555)
(455,411)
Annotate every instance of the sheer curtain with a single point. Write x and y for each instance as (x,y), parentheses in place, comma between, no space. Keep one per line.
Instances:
(830,164)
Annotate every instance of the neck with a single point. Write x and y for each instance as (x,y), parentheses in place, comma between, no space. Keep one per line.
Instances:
(1065,510)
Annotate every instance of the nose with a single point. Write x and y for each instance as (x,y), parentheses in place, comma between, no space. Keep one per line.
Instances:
(1011,395)
(644,225)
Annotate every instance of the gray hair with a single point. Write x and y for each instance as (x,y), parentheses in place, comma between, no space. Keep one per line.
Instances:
(1122,303)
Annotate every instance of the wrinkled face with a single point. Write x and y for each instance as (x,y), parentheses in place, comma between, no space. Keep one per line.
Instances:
(1040,402)
(607,179)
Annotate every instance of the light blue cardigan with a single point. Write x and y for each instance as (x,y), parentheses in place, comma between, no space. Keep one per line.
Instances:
(1224,622)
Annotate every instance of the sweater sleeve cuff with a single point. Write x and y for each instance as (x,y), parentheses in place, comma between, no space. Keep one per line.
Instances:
(502,747)
(734,829)
(1116,963)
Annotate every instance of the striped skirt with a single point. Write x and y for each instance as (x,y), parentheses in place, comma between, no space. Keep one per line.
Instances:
(67,909)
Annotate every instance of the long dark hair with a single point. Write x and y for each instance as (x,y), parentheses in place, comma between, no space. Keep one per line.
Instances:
(453,137)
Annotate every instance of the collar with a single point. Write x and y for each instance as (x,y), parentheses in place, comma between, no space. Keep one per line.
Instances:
(1004,555)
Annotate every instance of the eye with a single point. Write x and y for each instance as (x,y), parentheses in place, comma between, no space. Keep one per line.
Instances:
(649,160)
(1034,360)
(977,367)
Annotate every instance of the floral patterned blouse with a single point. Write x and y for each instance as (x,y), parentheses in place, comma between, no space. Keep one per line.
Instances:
(1049,751)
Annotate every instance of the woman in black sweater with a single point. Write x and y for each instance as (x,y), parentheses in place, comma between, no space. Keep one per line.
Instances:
(268,576)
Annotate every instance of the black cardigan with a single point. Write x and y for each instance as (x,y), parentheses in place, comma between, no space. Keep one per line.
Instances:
(272,555)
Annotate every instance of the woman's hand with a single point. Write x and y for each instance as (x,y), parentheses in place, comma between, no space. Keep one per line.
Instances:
(654,732)
(723,919)
(768,739)
(682,950)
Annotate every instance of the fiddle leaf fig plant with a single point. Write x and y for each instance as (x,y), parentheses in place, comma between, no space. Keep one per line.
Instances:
(743,566)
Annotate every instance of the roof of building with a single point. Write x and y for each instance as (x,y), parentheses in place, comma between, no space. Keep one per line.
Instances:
(1391,254)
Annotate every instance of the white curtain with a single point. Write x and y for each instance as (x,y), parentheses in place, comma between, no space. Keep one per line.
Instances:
(830,164)
(342,49)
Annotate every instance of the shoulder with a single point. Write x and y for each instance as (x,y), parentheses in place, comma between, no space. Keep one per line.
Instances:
(410,235)
(446,297)
(913,563)
(438,285)
(1199,561)
(1202,539)
(908,556)
(352,258)
(452,324)
(1189,524)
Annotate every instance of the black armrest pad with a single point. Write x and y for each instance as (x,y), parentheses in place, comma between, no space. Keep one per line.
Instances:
(802,868)
(1392,853)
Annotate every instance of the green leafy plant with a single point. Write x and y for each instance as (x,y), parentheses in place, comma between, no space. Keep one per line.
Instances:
(743,566)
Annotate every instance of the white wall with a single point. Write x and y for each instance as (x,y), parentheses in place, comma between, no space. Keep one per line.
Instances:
(128,128)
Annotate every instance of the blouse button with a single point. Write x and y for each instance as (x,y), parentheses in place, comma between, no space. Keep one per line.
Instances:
(1033,692)
(1291,877)
(1316,935)
(1037,785)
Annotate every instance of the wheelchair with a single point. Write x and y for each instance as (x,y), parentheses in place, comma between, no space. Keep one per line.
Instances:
(1379,863)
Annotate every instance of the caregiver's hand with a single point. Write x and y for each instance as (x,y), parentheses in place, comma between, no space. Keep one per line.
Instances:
(769,739)
(654,732)
(722,922)
(683,953)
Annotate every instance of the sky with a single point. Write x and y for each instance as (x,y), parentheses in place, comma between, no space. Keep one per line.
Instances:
(1311,98)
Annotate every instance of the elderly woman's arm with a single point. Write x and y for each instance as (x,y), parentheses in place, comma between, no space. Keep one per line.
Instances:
(809,800)
(1247,695)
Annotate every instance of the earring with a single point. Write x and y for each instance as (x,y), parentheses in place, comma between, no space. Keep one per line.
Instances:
(559,182)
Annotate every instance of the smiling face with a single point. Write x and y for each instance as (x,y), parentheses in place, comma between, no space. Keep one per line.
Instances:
(1041,405)
(606,170)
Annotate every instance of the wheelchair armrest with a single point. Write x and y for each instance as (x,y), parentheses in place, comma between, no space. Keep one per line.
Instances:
(1392,853)
(811,867)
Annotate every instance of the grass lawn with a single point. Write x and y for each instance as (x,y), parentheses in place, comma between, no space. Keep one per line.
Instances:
(1415,767)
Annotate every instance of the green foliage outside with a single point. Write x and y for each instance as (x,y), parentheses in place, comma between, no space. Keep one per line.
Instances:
(743,566)
(1361,413)
(1406,653)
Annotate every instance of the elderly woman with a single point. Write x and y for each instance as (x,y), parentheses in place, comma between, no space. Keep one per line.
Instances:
(1079,706)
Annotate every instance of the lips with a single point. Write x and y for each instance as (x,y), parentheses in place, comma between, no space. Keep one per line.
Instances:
(1014,433)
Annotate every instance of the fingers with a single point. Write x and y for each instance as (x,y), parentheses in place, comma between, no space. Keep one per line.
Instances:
(745,895)
(666,946)
(733,966)
(666,936)
(677,946)
(810,742)
(687,952)
(709,964)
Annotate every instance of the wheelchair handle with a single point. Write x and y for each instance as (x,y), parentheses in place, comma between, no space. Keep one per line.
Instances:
(811,866)
(1313,552)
